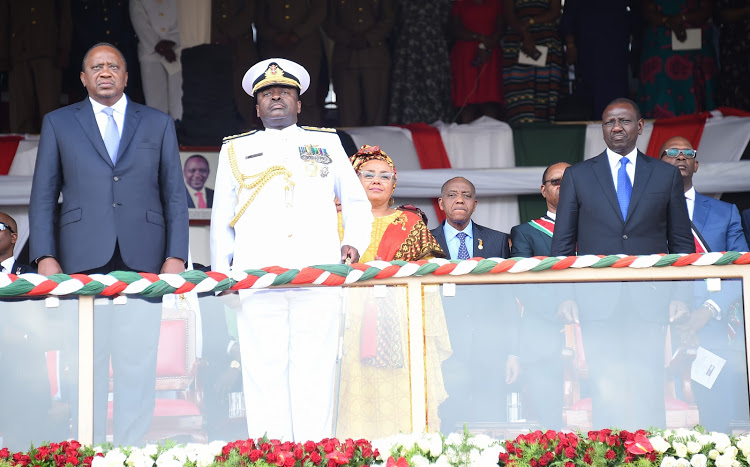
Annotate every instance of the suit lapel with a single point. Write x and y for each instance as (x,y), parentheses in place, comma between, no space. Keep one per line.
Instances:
(85,116)
(700,211)
(643,170)
(132,119)
(603,174)
(440,237)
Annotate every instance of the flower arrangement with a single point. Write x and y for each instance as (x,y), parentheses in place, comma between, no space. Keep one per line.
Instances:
(603,448)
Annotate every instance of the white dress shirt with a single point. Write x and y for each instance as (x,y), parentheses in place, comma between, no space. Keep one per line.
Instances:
(6,265)
(690,200)
(614,165)
(119,108)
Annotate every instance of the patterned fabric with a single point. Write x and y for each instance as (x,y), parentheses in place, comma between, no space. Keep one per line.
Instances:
(420,83)
(676,82)
(402,235)
(463,252)
(471,84)
(624,187)
(531,92)
(734,50)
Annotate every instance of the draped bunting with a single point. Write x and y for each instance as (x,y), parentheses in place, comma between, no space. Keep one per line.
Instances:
(689,127)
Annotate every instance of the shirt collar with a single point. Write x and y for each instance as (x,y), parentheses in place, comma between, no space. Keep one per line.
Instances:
(451,232)
(690,194)
(120,106)
(614,158)
(8,264)
(552,215)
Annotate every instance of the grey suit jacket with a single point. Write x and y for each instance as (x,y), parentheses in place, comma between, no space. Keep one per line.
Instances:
(589,219)
(139,204)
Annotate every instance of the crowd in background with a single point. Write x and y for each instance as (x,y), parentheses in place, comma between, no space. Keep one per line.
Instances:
(389,61)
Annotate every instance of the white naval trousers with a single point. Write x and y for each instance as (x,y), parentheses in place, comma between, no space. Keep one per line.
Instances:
(288,343)
(162,90)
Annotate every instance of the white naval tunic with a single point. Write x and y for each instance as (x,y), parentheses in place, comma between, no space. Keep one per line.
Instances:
(288,338)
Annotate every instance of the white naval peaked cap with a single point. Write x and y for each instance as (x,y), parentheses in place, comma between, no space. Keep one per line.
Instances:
(278,71)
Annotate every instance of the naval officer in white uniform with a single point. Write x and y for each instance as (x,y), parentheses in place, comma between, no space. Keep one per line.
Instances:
(273,205)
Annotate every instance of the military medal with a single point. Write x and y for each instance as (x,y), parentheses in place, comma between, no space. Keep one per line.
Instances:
(313,155)
(481,247)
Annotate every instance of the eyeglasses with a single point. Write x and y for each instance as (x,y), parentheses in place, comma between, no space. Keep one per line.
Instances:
(369,175)
(4,226)
(554,181)
(674,152)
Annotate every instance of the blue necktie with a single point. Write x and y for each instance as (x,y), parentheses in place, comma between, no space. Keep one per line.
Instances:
(624,187)
(463,252)
(111,134)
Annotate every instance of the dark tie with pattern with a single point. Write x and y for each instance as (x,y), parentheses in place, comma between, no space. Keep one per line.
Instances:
(463,252)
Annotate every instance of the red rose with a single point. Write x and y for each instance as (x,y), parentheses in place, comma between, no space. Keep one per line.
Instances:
(255,455)
(610,454)
(550,435)
(570,453)
(587,458)
(366,452)
(271,457)
(533,463)
(4,453)
(310,446)
(543,461)
(328,447)
(299,453)
(339,457)
(290,461)
(569,464)
(73,460)
(651,456)
(628,459)
(331,463)
(315,457)
(503,456)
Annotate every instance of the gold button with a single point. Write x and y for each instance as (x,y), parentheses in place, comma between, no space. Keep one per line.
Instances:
(223,16)
(361,9)
(104,9)
(161,14)
(33,21)
(287,17)
(107,32)
(361,20)
(163,29)
(32,9)
(286,6)
(106,19)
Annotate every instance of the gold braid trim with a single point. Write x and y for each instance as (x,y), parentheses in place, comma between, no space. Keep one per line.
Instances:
(259,180)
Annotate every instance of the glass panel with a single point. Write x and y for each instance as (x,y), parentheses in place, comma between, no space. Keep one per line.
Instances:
(38,351)
(593,355)
(374,392)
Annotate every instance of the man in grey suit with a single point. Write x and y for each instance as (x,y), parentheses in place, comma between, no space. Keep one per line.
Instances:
(117,166)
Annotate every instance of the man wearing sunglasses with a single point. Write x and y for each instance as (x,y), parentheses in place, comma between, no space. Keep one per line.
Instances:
(717,225)
(8,238)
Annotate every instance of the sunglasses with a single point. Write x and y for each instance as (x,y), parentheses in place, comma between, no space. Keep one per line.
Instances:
(674,152)
(4,226)
(370,175)
(554,181)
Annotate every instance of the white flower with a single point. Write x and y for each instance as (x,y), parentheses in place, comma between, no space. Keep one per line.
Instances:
(481,441)
(454,439)
(699,460)
(713,454)
(694,447)
(115,458)
(731,452)
(489,456)
(98,462)
(151,450)
(682,462)
(419,461)
(723,461)
(721,441)
(442,461)
(704,439)
(215,447)
(138,458)
(668,461)
(436,446)
(660,444)
(680,449)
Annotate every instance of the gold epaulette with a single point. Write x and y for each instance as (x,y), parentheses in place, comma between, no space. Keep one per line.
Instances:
(229,138)
(315,128)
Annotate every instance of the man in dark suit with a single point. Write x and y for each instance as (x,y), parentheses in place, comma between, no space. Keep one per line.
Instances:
(484,360)
(541,341)
(534,238)
(746,224)
(25,400)
(591,220)
(117,166)
(196,172)
(458,201)
(623,202)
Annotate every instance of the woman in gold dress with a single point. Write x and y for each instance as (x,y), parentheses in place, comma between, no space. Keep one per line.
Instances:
(375,395)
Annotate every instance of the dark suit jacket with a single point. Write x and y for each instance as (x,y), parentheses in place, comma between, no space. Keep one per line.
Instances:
(719,224)
(209,196)
(494,243)
(588,213)
(19,268)
(526,241)
(746,224)
(139,204)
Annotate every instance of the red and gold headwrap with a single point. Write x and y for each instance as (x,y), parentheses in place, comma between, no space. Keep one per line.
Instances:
(369,153)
